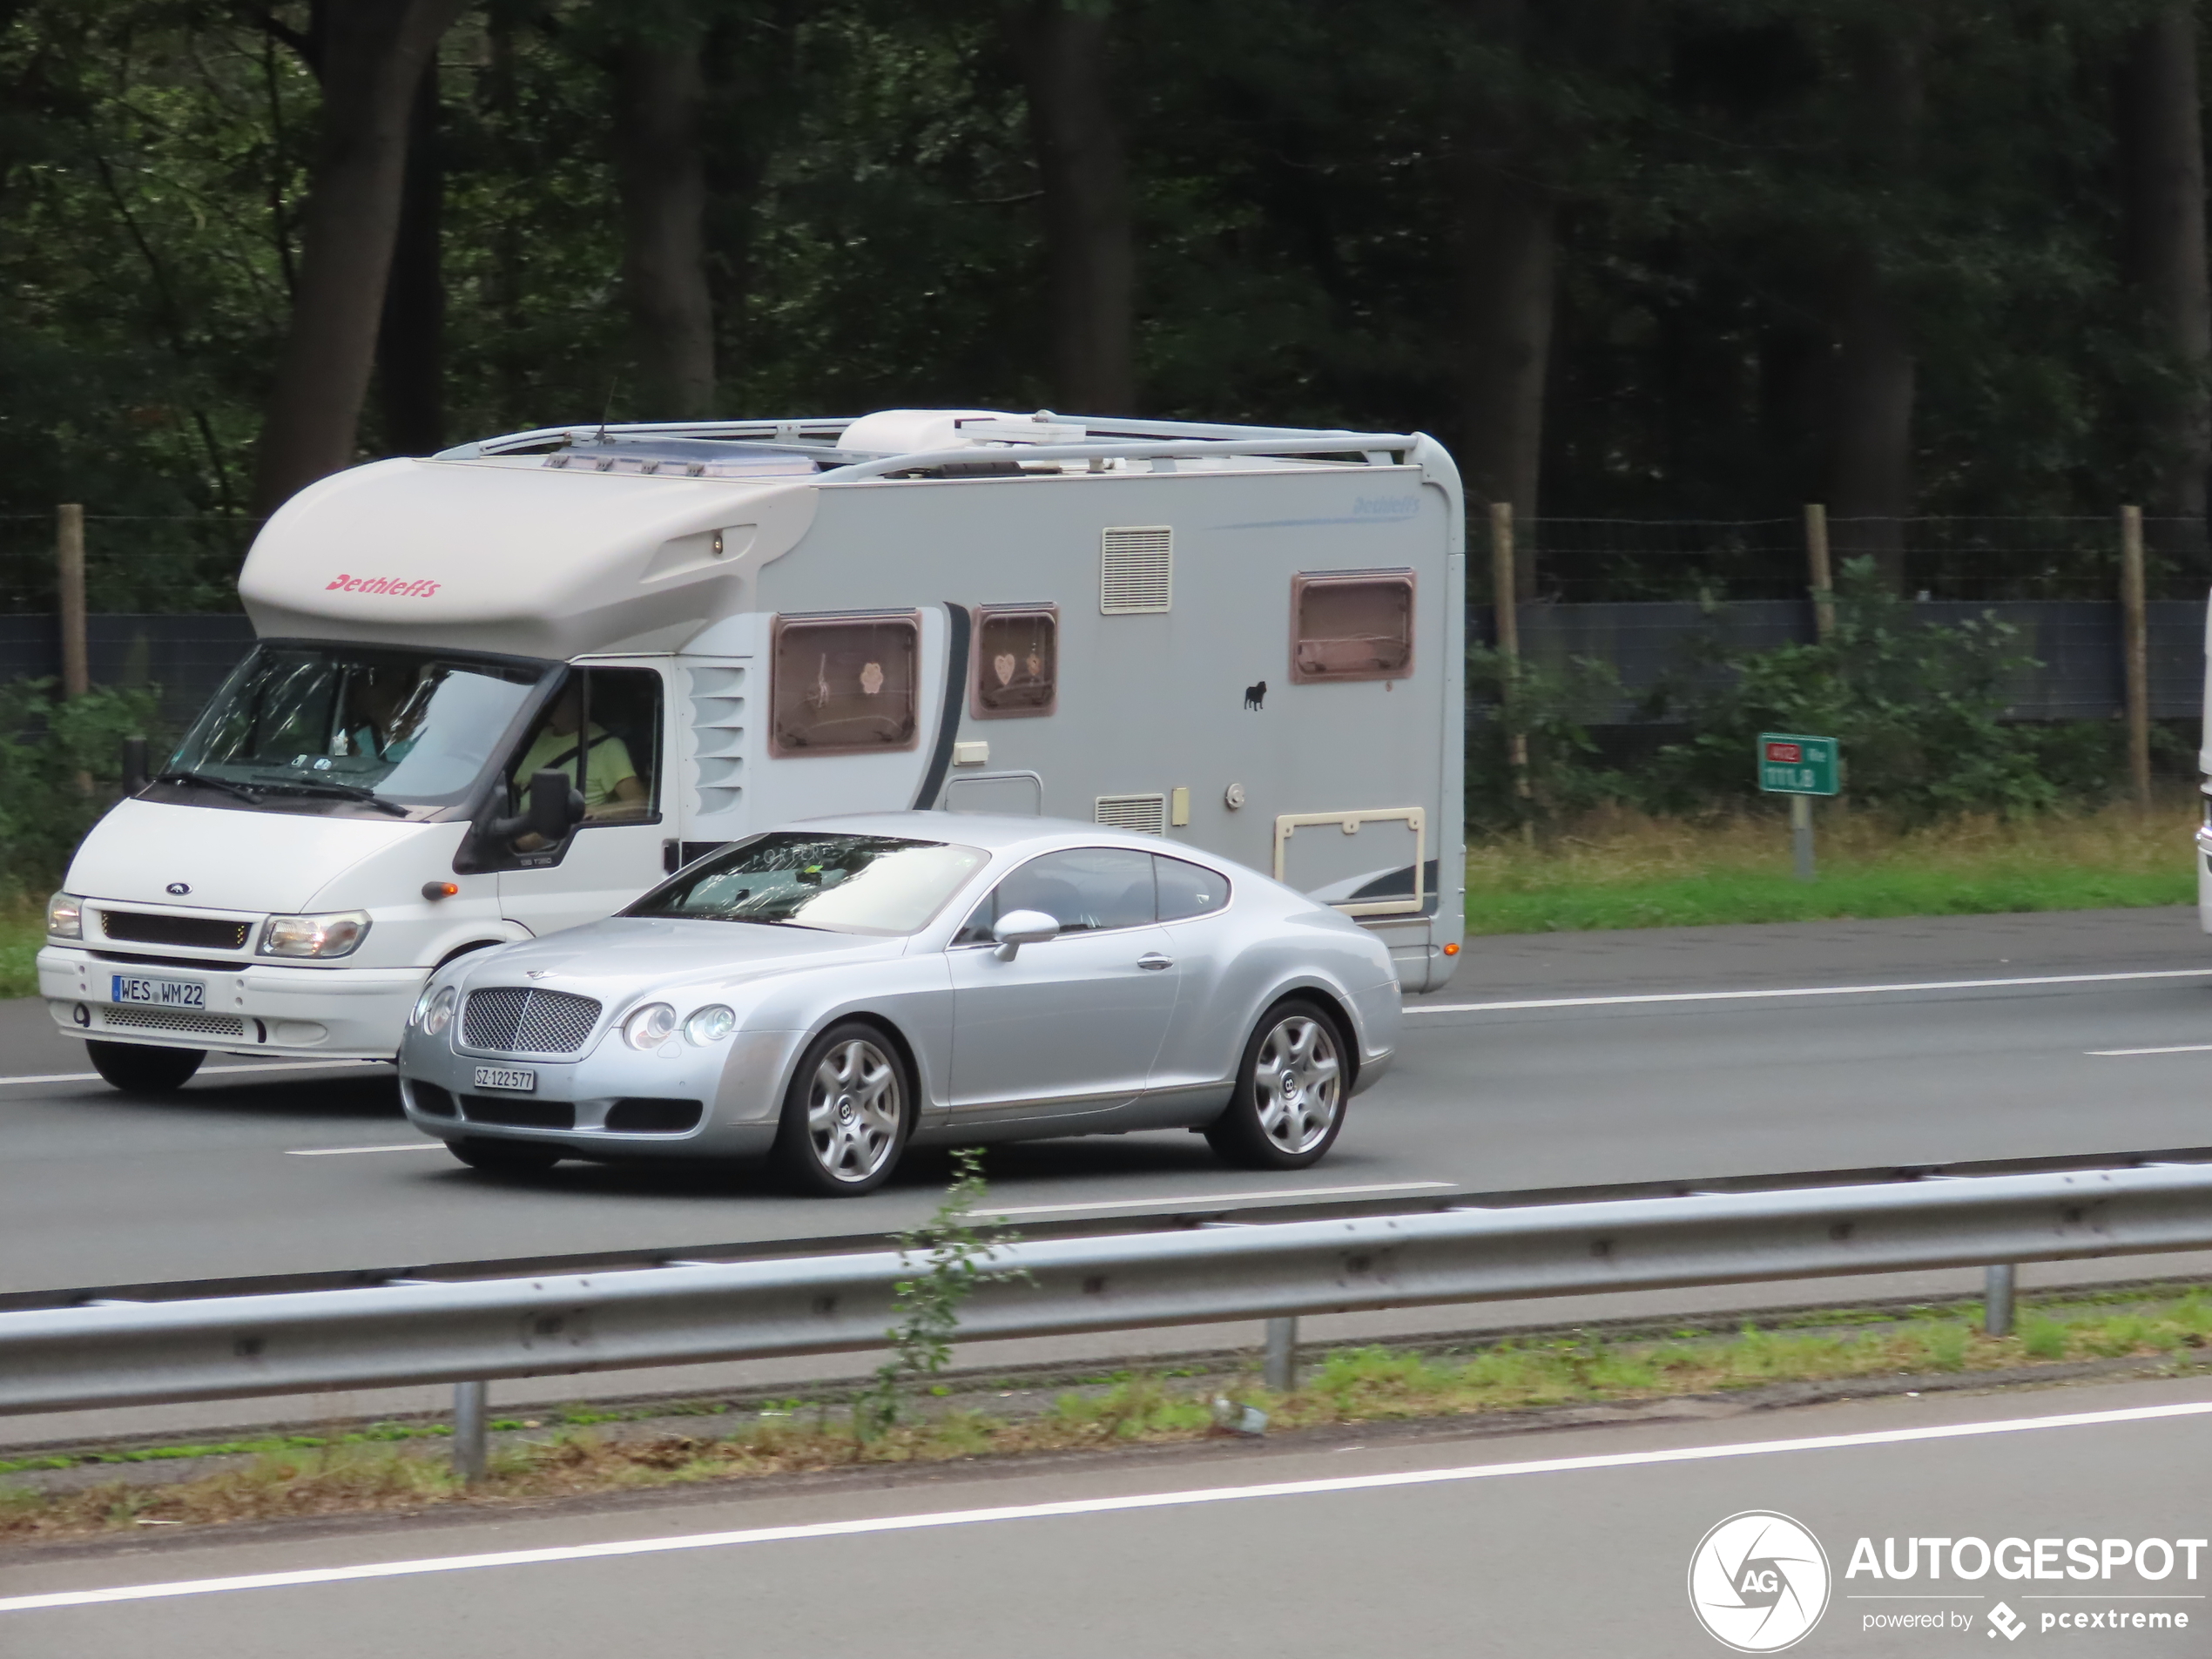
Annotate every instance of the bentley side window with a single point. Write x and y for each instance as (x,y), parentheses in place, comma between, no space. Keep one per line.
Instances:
(1188,889)
(844,685)
(1088,889)
(1351,625)
(1017,660)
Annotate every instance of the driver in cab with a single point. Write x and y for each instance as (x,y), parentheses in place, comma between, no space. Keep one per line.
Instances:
(612,789)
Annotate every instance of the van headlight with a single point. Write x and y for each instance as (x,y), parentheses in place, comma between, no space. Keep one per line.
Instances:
(650,1027)
(434,1009)
(710,1024)
(336,935)
(64,916)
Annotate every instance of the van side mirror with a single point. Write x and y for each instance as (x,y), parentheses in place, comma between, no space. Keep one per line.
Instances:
(555,807)
(1019,928)
(134,765)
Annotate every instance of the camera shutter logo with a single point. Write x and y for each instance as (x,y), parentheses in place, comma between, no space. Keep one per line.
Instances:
(1758,1581)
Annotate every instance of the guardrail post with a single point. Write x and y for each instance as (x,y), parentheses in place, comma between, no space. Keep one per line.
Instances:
(468,1424)
(1280,1371)
(1996,1300)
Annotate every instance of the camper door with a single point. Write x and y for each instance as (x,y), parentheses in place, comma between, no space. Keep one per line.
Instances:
(607,730)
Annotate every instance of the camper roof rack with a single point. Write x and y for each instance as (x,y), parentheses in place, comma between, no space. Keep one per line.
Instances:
(993,445)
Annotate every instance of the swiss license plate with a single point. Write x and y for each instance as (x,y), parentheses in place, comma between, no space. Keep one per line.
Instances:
(516,1077)
(156,992)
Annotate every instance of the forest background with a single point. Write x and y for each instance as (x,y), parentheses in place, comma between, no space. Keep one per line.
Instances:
(1688,263)
(1643,258)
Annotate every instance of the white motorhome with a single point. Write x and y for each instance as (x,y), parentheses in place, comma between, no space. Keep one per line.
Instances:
(503,691)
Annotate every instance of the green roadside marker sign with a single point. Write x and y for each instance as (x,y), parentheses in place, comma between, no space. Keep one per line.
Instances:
(1792,765)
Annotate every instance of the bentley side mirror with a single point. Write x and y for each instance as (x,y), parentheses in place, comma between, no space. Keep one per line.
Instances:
(1019,928)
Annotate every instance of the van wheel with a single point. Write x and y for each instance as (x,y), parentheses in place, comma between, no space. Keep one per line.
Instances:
(846,1115)
(138,1070)
(1289,1098)
(504,1157)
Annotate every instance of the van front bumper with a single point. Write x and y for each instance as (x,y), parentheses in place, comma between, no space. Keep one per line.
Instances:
(333,1013)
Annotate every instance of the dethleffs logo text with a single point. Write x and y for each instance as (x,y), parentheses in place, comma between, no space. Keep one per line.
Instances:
(419,589)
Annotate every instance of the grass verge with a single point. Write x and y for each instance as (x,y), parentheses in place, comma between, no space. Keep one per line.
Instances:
(1621,869)
(403,1469)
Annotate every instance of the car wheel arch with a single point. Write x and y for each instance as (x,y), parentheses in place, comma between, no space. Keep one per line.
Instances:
(1336,1007)
(876,1021)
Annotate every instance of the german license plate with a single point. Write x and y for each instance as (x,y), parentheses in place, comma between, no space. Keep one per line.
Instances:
(156,993)
(521,1078)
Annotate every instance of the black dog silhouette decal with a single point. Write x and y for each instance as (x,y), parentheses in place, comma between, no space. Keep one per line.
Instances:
(1255,696)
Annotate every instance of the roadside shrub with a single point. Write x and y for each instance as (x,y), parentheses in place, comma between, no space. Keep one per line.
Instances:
(60,767)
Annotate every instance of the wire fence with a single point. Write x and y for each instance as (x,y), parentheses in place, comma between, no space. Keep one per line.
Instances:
(189,563)
(177,564)
(1596,560)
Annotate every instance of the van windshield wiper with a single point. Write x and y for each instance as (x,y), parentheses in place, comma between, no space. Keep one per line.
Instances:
(338,790)
(243,792)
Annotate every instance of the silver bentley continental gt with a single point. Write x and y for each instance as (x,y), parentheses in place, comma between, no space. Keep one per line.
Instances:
(828,994)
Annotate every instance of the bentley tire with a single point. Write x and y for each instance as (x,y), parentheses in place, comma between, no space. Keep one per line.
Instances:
(1291,1090)
(504,1157)
(847,1114)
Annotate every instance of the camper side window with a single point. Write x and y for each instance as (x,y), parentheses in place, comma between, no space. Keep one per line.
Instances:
(1017,660)
(1351,625)
(844,685)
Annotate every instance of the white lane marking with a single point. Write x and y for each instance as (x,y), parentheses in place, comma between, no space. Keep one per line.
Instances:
(343,1151)
(204,1071)
(1081,1506)
(1808,990)
(1173,1200)
(2179,1048)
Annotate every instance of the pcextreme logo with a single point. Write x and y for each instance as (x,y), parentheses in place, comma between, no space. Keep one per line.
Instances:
(1758,1581)
(420,589)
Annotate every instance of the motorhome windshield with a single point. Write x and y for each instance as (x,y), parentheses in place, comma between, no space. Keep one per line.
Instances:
(850,884)
(352,728)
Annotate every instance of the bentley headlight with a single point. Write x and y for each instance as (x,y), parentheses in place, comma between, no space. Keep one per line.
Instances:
(336,935)
(64,916)
(650,1027)
(710,1024)
(434,1011)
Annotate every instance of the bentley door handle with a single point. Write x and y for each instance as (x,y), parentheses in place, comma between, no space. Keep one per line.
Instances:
(1155,960)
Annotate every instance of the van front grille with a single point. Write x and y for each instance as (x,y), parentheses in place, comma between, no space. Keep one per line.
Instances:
(201,933)
(518,1020)
(200,1025)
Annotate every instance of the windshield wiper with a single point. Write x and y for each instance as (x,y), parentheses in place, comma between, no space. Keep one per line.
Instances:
(243,792)
(338,790)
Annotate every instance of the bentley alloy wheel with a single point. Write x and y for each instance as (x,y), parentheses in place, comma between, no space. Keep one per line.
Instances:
(1291,1090)
(846,1118)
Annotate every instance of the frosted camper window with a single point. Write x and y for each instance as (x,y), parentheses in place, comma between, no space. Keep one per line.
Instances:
(844,685)
(1017,660)
(1357,625)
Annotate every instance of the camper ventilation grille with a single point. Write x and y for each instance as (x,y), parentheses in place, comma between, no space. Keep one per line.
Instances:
(718,730)
(1140,815)
(1136,570)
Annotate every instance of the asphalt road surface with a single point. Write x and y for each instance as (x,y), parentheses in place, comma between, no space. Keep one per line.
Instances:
(249,1173)
(1570,1543)
(256,1171)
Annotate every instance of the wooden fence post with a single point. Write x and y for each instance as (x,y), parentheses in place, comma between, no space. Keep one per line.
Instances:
(1823,575)
(2134,652)
(1505,602)
(69,560)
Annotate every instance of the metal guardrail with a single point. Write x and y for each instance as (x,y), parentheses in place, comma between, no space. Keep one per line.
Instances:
(125,1354)
(1170,1214)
